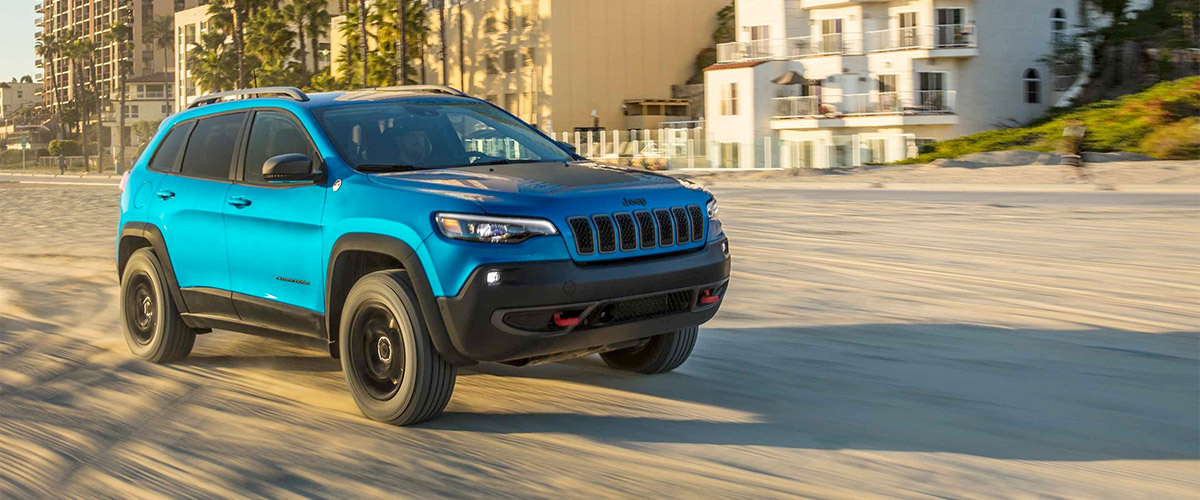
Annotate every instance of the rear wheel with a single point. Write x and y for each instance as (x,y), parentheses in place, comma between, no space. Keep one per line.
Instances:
(661,354)
(150,320)
(394,373)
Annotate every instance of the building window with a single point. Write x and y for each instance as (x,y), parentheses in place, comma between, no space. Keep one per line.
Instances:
(493,64)
(510,61)
(1033,87)
(729,99)
(493,98)
(527,56)
(490,25)
(730,152)
(1058,26)
(166,109)
(510,103)
(131,111)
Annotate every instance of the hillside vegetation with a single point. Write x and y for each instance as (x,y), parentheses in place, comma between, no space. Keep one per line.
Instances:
(1162,121)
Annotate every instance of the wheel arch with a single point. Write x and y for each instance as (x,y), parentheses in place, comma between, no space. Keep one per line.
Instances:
(137,235)
(354,255)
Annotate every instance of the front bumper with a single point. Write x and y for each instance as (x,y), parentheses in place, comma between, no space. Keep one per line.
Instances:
(598,304)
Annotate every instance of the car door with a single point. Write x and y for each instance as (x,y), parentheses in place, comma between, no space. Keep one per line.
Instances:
(188,209)
(274,230)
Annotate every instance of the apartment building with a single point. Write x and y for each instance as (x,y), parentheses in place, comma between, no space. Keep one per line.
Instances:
(191,24)
(567,64)
(147,98)
(834,83)
(15,95)
(91,19)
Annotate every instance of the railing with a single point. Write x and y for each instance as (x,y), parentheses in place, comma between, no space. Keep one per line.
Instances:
(921,37)
(944,36)
(790,48)
(37,21)
(37,7)
(874,103)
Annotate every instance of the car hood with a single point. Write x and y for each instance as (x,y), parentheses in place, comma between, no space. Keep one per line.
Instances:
(550,188)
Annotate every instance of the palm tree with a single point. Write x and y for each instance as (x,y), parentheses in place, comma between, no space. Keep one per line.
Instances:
(318,25)
(212,64)
(160,32)
(362,40)
(234,13)
(296,12)
(77,51)
(402,47)
(49,48)
(121,35)
(269,43)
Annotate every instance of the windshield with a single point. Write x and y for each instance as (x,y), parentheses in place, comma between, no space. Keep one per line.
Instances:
(413,136)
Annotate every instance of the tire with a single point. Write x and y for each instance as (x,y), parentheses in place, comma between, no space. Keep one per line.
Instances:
(394,373)
(150,319)
(661,354)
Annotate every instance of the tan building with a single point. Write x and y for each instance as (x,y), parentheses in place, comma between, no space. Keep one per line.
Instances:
(147,98)
(14,96)
(92,19)
(552,62)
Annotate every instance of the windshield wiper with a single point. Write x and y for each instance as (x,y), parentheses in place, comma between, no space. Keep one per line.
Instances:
(502,162)
(374,167)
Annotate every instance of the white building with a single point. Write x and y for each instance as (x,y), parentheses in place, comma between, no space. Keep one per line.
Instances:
(14,96)
(829,83)
(147,98)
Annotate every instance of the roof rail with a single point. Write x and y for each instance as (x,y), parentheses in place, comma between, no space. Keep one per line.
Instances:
(437,89)
(290,92)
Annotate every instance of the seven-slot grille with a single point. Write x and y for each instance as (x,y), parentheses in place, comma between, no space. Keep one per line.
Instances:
(645,229)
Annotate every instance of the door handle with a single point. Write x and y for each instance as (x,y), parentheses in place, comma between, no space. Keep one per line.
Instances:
(165,194)
(239,201)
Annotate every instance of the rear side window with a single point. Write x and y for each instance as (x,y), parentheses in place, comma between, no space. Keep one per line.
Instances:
(272,134)
(168,152)
(210,150)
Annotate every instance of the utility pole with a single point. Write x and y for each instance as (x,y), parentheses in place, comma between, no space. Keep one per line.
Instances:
(462,54)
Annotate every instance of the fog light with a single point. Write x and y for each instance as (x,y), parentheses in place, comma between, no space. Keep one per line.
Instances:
(493,277)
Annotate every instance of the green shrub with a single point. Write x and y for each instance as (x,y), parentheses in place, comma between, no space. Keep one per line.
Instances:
(64,147)
(1177,141)
(1148,122)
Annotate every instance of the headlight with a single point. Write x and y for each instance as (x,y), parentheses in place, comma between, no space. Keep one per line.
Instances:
(713,210)
(489,229)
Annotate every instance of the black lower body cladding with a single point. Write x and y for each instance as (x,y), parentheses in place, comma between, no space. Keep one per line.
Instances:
(582,306)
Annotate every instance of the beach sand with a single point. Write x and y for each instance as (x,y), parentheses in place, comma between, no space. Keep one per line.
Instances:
(866,348)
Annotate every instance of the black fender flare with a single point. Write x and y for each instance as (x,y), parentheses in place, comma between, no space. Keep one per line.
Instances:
(406,255)
(151,233)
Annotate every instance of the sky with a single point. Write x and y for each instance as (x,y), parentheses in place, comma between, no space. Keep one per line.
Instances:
(16,39)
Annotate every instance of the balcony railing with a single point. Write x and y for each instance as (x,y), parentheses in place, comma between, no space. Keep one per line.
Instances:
(37,21)
(945,36)
(874,103)
(790,48)
(37,7)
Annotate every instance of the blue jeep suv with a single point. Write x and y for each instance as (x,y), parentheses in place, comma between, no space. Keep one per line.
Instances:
(416,230)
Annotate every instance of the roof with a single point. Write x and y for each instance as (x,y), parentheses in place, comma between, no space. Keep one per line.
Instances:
(161,76)
(734,65)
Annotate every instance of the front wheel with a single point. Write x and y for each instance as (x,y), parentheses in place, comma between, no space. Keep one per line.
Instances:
(661,354)
(394,373)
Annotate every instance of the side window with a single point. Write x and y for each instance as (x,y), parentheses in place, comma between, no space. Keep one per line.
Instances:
(209,152)
(273,133)
(168,152)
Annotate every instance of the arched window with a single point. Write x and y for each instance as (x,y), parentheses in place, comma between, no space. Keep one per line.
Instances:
(1033,86)
(1058,26)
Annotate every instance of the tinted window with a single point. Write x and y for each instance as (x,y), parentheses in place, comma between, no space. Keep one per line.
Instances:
(273,133)
(432,135)
(210,150)
(168,151)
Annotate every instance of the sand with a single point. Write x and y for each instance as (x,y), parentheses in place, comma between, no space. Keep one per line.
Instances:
(895,349)
(989,170)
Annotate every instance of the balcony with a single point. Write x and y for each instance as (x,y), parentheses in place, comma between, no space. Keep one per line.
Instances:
(38,21)
(923,107)
(790,48)
(37,7)
(948,39)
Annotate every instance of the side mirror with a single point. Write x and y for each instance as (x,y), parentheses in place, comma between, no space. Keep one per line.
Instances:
(289,167)
(567,146)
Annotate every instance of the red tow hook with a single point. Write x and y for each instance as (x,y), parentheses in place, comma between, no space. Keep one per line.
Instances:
(565,322)
(707,297)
